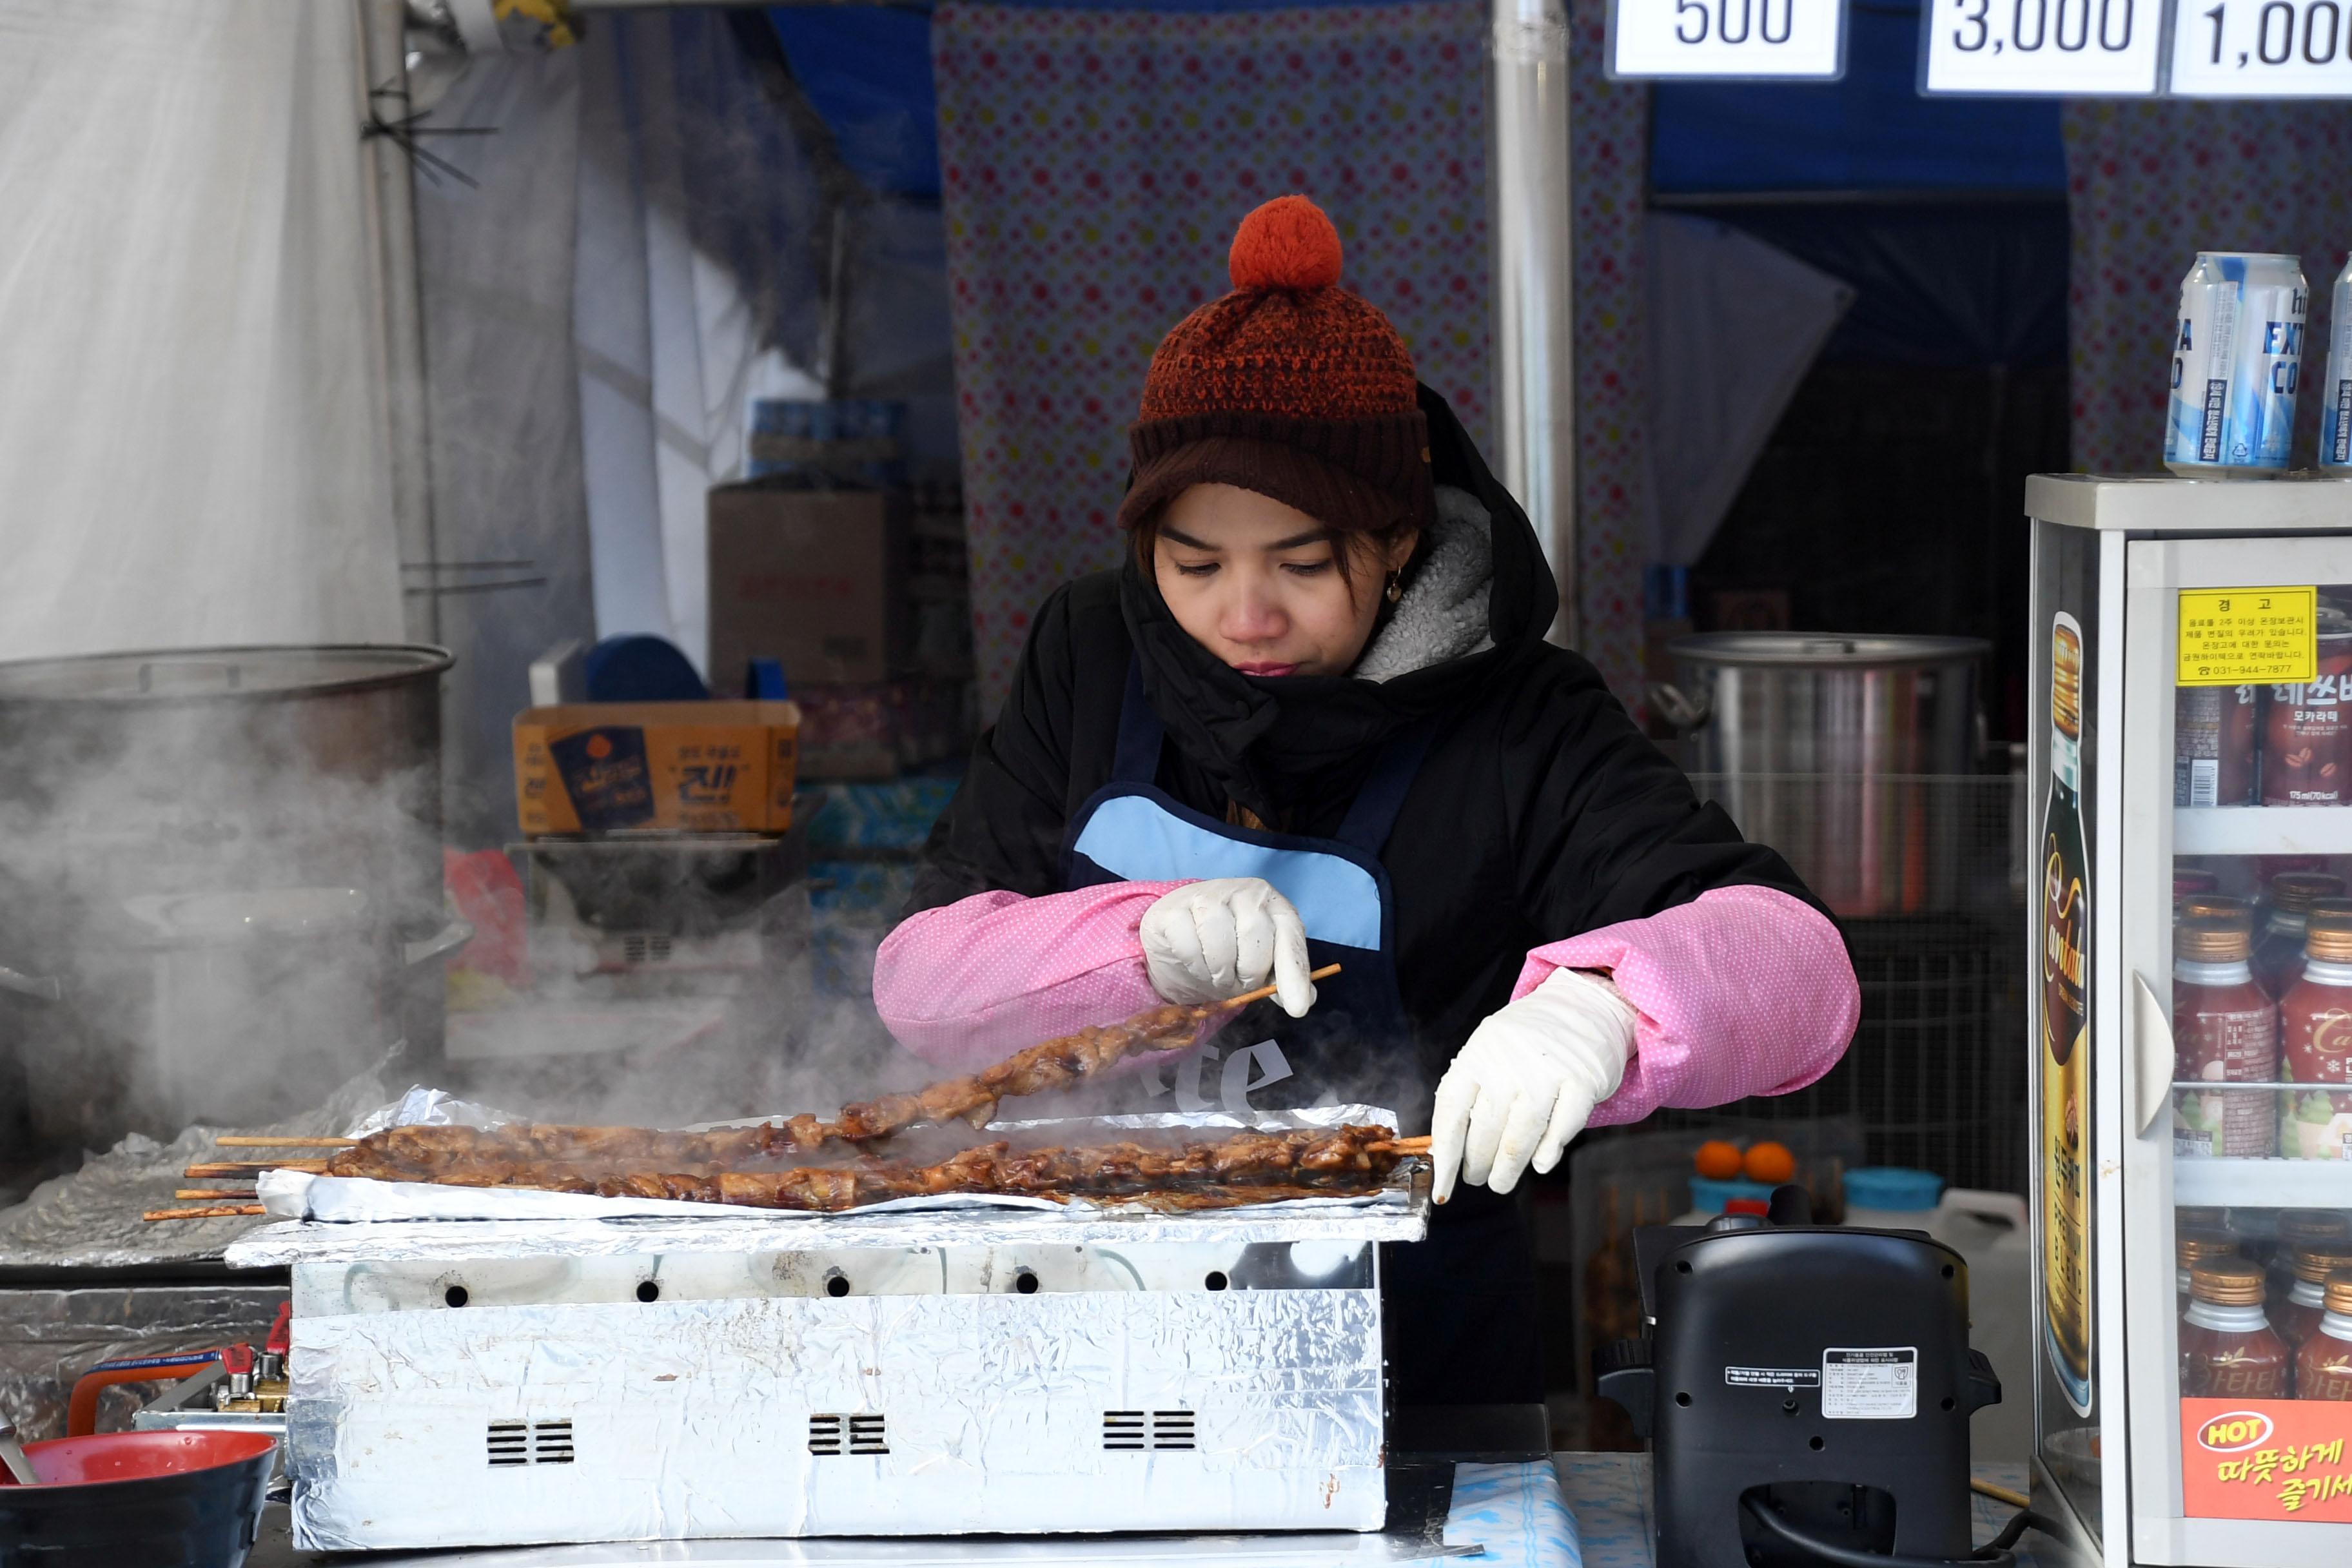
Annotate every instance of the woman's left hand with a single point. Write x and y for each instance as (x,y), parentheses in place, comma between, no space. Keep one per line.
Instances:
(1528,1080)
(1208,940)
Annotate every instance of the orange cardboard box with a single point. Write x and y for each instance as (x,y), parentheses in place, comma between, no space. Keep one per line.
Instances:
(680,767)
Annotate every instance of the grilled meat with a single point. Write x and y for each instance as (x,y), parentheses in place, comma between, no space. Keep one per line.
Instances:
(1244,1167)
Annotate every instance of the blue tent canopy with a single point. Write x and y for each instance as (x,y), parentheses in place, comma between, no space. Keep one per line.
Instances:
(1869,131)
(867,70)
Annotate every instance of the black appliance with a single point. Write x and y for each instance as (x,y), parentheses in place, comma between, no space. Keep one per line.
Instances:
(1807,1392)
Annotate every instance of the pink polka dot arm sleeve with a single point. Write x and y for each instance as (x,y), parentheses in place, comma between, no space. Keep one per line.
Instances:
(1742,991)
(971,983)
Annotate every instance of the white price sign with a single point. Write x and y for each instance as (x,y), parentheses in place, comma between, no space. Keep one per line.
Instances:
(1733,40)
(2085,47)
(2263,48)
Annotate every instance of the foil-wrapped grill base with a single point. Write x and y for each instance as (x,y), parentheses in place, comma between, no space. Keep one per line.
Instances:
(798,1412)
(500,1367)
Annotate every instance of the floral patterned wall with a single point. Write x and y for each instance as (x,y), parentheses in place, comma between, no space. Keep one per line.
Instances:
(2151,184)
(1094,166)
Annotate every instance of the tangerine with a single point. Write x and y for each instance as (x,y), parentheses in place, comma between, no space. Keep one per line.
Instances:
(1717,1160)
(1770,1162)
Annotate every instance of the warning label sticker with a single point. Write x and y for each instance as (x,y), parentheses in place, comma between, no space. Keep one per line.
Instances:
(1771,1377)
(2249,636)
(1879,1383)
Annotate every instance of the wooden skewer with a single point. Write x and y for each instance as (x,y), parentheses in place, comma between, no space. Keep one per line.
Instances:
(1260,995)
(1401,1146)
(216,1211)
(214,1192)
(217,1168)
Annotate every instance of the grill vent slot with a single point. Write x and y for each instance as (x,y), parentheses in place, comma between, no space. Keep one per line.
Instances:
(1133,1431)
(530,1443)
(509,1443)
(552,1443)
(863,1435)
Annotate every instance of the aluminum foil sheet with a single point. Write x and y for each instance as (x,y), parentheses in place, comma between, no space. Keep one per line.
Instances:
(332,1219)
(1083,1411)
(89,1219)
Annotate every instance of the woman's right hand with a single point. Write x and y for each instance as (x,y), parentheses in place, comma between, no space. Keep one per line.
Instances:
(1208,940)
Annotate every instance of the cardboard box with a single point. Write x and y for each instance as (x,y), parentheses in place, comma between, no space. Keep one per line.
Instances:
(699,767)
(816,579)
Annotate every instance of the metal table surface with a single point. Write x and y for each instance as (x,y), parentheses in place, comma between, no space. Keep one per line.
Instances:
(1420,1488)
(1607,1494)
(1394,1548)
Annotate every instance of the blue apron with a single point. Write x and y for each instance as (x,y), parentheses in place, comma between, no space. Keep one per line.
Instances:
(1459,1309)
(1132,831)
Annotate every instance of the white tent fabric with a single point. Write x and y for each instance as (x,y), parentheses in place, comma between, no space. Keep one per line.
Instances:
(671,345)
(495,262)
(1734,324)
(191,439)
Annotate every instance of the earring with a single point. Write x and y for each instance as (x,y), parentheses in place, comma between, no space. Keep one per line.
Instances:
(1395,589)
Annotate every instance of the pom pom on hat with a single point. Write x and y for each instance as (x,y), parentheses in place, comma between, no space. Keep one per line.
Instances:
(1288,243)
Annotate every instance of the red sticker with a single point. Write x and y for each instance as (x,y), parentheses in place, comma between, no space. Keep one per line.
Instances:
(2285,1458)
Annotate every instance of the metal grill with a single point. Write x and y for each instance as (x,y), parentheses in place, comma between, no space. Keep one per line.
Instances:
(513,1443)
(866,1435)
(509,1443)
(551,1443)
(1137,1430)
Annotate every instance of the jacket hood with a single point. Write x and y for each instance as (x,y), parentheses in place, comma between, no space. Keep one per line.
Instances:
(1276,745)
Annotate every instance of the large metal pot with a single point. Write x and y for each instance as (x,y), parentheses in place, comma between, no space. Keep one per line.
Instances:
(220,878)
(1846,754)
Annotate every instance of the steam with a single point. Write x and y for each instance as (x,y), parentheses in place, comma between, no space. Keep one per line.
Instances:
(228,892)
(220,891)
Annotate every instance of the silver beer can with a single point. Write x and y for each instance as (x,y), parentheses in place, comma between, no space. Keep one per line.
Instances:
(2335,410)
(2237,354)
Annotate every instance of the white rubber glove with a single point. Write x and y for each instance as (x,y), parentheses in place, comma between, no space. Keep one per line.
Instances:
(1527,1081)
(1220,937)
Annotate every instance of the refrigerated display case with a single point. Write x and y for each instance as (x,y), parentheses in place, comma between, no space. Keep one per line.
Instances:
(2190,786)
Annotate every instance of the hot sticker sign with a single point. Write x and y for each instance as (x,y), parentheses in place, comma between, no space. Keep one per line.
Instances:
(2282,1459)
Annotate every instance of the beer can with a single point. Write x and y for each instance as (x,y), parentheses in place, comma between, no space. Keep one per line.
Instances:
(2237,353)
(2216,742)
(2335,413)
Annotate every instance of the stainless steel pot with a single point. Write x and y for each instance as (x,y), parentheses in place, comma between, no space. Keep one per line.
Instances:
(218,868)
(1842,753)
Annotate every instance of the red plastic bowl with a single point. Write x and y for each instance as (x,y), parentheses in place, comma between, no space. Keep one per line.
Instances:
(137,1456)
(160,1499)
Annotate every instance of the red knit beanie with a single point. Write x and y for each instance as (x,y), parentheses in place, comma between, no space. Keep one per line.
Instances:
(1290,386)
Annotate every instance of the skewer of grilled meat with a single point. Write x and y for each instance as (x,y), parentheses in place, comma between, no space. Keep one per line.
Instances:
(1325,1160)
(1052,1064)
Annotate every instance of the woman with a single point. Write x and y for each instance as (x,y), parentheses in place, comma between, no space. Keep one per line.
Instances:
(1313,718)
